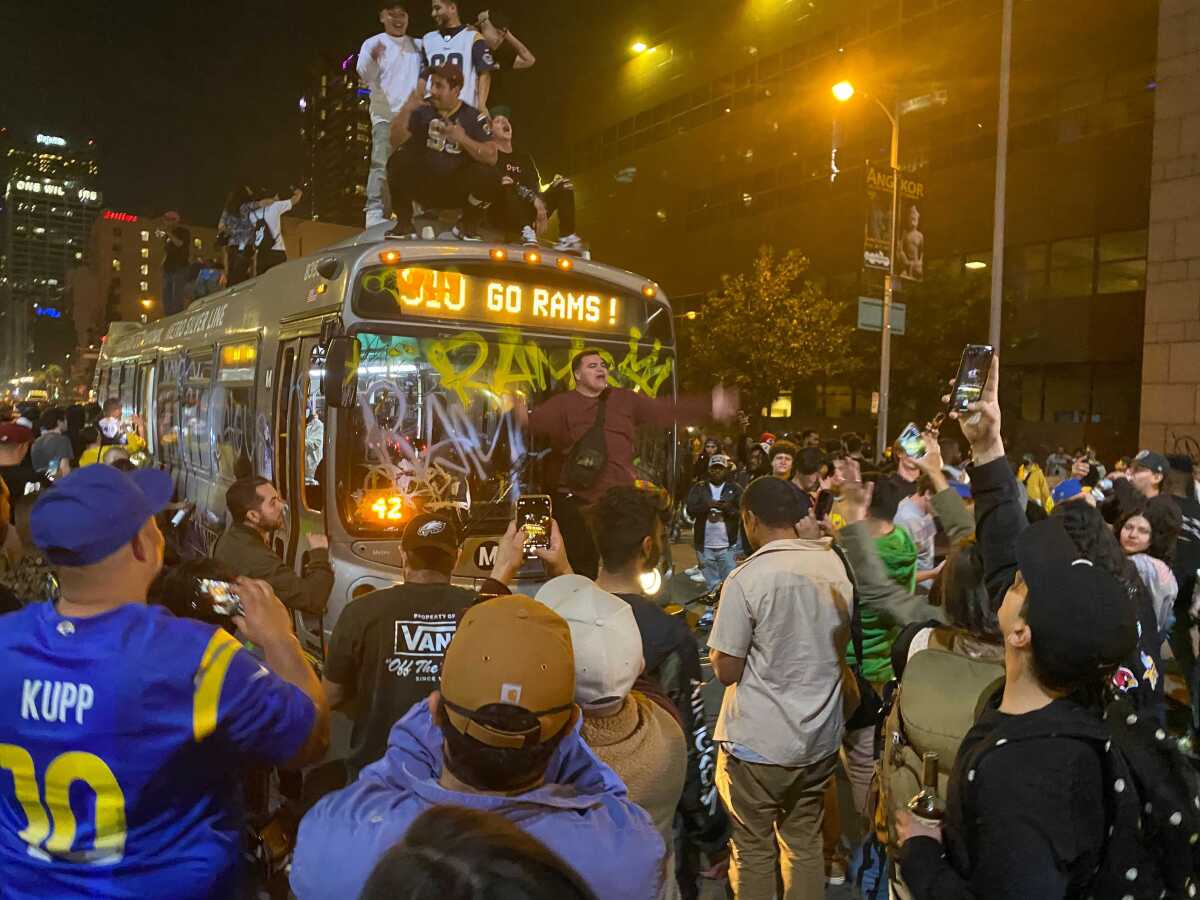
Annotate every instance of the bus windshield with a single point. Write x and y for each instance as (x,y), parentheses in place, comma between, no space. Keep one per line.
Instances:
(432,427)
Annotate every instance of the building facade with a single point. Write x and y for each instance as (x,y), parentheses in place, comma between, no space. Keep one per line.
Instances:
(51,199)
(693,140)
(122,280)
(337,138)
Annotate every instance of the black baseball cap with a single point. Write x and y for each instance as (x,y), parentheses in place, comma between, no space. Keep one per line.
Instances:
(1083,619)
(431,531)
(775,501)
(1155,462)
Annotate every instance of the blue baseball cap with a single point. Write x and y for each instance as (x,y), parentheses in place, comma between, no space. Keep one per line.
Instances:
(1072,487)
(963,490)
(95,511)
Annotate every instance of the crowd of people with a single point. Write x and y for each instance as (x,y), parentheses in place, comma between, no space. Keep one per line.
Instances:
(940,621)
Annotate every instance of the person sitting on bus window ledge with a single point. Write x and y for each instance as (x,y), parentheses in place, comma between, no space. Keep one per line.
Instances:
(444,156)
(114,431)
(257,510)
(523,205)
(156,717)
(564,419)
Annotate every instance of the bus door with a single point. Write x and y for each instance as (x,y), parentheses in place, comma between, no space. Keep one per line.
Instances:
(300,459)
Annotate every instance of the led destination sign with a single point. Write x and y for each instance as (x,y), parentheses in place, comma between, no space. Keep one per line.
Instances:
(499,295)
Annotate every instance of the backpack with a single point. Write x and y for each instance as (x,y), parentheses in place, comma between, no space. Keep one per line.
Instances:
(938,700)
(586,459)
(264,238)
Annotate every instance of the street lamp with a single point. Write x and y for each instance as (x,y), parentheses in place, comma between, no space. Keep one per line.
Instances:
(843,91)
(639,47)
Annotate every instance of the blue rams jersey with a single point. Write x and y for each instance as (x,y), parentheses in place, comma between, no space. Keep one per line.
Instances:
(122,740)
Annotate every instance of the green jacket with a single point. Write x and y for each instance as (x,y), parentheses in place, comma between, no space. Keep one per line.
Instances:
(886,604)
(243,550)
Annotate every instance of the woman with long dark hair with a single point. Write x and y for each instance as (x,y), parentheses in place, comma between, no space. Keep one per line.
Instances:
(1148,535)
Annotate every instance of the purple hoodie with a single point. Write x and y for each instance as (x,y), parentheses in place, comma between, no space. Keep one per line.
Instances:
(581,812)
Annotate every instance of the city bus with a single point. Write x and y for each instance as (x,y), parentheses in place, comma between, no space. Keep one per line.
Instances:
(375,379)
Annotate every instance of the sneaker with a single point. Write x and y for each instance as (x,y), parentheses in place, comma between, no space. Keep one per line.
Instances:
(529,236)
(461,234)
(692,572)
(698,578)
(401,233)
(569,242)
(835,872)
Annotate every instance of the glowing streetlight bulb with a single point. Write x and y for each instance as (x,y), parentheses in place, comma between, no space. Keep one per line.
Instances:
(843,91)
(639,47)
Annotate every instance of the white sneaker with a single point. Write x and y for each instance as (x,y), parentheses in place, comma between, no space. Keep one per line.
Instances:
(529,236)
(376,217)
(461,235)
(569,242)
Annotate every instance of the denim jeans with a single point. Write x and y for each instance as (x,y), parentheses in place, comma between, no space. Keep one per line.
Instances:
(378,206)
(174,283)
(715,565)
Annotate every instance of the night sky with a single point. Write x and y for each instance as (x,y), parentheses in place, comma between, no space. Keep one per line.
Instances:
(184,99)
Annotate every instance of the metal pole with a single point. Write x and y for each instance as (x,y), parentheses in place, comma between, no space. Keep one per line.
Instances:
(885,348)
(1001,179)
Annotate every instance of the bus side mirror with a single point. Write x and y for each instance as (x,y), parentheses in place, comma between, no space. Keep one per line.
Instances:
(341,372)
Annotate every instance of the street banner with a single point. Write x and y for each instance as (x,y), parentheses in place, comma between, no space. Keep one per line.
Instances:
(910,244)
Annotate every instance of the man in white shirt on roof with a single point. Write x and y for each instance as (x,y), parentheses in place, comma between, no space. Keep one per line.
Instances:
(268,233)
(390,65)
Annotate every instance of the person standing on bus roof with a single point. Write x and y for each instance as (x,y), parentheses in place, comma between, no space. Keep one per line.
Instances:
(257,510)
(454,44)
(564,420)
(390,65)
(444,158)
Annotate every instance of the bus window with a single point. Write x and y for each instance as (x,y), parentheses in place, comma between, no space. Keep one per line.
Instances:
(232,412)
(145,403)
(102,384)
(128,373)
(193,410)
(166,414)
(314,430)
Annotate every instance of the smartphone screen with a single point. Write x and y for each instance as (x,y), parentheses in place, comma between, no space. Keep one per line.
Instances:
(224,600)
(911,442)
(533,514)
(972,376)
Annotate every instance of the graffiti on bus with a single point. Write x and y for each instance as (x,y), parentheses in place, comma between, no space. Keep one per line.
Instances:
(437,426)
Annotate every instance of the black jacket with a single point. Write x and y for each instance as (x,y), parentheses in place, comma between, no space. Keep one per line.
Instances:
(672,659)
(699,501)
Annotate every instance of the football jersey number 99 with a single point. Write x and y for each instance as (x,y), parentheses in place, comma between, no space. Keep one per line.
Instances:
(57,830)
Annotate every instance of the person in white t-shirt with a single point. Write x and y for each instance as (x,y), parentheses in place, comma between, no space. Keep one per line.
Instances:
(268,232)
(390,65)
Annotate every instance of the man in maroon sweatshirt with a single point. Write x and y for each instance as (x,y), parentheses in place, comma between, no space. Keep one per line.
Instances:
(563,419)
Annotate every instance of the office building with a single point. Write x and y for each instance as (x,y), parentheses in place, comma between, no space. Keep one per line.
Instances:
(51,198)
(693,140)
(337,139)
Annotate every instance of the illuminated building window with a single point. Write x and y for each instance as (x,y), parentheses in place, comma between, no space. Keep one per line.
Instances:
(145,270)
(145,235)
(145,253)
(781,408)
(143,285)
(116,265)
(197,243)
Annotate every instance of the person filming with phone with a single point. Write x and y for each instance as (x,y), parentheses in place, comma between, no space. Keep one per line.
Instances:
(128,730)
(590,431)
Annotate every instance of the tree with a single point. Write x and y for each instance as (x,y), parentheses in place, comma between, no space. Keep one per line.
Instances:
(767,330)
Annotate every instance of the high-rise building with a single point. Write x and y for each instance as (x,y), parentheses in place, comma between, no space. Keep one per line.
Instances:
(51,198)
(122,281)
(337,138)
(703,137)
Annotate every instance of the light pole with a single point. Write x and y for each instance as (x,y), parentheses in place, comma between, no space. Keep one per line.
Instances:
(843,91)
